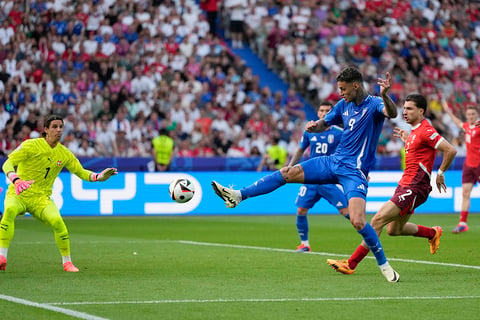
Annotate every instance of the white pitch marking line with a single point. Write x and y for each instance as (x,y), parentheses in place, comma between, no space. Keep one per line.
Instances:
(211,244)
(262,300)
(75,314)
(323,253)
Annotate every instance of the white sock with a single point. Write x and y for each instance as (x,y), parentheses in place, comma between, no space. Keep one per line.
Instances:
(386,264)
(238,194)
(4,252)
(306,243)
(66,259)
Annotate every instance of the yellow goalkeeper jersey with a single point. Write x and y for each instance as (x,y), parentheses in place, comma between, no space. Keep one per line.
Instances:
(36,160)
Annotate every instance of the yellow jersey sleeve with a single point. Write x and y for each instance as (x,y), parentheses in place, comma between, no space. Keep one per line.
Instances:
(36,160)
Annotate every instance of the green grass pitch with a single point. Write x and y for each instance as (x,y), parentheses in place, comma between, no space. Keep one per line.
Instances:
(235,267)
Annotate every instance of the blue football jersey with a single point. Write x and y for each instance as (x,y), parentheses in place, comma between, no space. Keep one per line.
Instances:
(362,125)
(321,143)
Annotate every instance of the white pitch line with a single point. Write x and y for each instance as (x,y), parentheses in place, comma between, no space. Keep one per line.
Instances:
(211,244)
(75,314)
(262,300)
(324,254)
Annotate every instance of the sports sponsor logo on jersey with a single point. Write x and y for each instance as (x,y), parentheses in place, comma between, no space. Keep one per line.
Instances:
(361,187)
(59,163)
(433,136)
(314,138)
(345,113)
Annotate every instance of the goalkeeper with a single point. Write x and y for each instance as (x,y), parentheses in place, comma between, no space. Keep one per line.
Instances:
(32,168)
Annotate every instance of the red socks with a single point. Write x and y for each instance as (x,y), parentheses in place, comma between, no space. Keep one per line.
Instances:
(463,216)
(425,232)
(357,256)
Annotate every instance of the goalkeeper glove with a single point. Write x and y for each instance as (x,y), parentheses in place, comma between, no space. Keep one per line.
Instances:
(19,184)
(105,174)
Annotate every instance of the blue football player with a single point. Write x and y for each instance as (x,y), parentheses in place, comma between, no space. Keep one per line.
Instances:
(321,144)
(362,116)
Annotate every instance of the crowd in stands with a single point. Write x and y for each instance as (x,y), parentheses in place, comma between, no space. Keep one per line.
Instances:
(120,70)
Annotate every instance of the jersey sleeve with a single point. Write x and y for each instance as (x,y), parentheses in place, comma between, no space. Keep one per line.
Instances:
(21,153)
(74,166)
(305,141)
(379,110)
(334,116)
(432,137)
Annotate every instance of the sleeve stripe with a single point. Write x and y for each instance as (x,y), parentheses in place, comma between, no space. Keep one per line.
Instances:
(438,142)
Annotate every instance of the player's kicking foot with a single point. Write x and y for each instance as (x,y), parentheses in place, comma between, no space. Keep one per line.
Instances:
(303,248)
(69,267)
(3,262)
(435,241)
(390,274)
(461,227)
(340,266)
(230,196)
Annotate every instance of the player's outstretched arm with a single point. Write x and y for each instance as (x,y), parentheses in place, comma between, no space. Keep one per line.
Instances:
(447,109)
(104,175)
(390,109)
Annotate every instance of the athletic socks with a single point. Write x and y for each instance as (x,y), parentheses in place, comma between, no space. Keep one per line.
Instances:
(4,252)
(360,253)
(463,216)
(265,185)
(371,239)
(302,227)
(425,232)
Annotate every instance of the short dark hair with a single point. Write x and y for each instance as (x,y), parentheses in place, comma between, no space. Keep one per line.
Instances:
(350,74)
(419,100)
(48,120)
(325,103)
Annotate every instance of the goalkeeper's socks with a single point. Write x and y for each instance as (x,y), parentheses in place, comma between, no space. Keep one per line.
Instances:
(373,242)
(4,252)
(265,185)
(302,227)
(66,259)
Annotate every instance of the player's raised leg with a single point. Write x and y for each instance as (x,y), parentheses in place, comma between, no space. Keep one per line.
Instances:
(262,186)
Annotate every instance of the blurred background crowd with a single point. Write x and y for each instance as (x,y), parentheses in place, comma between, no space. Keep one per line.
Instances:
(122,71)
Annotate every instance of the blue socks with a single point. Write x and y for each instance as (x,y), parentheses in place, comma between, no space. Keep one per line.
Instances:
(372,241)
(302,227)
(264,185)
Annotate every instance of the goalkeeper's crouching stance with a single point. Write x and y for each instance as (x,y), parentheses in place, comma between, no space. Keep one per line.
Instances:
(32,168)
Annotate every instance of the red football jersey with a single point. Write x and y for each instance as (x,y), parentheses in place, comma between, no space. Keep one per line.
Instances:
(472,142)
(420,150)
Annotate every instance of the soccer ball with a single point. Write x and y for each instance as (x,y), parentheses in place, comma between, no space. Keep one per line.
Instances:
(181,190)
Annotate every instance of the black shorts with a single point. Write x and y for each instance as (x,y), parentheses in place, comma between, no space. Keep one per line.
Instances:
(236,26)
